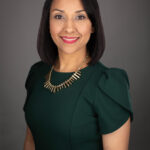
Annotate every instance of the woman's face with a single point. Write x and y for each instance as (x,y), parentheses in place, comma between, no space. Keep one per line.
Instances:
(68,20)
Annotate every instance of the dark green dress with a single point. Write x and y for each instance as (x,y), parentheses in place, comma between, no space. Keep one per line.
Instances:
(75,117)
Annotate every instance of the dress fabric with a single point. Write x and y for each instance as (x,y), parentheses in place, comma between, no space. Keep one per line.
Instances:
(75,117)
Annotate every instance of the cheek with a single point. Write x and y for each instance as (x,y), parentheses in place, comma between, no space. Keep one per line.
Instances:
(85,29)
(55,28)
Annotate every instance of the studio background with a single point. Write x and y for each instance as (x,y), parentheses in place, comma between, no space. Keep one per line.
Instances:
(126,26)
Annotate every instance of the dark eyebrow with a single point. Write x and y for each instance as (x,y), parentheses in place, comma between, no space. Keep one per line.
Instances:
(63,11)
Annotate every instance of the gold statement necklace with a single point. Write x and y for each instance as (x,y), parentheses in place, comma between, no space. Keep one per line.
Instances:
(54,88)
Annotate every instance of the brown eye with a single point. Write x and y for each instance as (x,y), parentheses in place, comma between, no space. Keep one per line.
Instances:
(81,17)
(57,16)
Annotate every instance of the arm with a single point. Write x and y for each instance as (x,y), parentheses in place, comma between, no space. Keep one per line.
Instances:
(29,142)
(119,139)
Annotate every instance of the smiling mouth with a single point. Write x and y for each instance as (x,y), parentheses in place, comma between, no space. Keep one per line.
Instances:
(69,40)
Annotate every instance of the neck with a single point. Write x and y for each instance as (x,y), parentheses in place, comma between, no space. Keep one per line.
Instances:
(70,64)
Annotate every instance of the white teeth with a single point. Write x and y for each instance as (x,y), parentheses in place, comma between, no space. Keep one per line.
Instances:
(69,39)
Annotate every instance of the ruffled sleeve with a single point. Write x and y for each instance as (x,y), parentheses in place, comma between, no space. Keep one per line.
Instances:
(113,100)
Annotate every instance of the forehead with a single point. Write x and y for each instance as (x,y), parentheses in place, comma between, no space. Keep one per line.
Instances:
(67,5)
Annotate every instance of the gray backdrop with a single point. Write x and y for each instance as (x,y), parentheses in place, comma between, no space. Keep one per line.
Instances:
(126,25)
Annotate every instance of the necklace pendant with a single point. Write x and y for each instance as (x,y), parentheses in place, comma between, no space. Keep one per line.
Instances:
(65,84)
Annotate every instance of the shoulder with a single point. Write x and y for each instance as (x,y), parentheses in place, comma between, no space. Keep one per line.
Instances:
(38,65)
(39,68)
(108,79)
(111,81)
(114,82)
(111,75)
(36,70)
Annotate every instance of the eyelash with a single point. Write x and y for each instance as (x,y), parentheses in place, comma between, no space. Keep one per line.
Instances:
(78,16)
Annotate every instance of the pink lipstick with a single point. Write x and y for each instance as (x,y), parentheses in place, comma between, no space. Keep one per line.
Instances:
(69,40)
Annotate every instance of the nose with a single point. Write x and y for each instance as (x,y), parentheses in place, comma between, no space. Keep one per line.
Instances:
(69,26)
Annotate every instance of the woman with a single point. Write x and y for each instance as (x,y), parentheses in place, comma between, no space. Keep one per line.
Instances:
(74,102)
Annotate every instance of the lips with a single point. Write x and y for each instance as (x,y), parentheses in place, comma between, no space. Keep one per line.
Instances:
(66,37)
(69,40)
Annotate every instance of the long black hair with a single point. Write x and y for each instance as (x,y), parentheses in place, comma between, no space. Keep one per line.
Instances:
(47,49)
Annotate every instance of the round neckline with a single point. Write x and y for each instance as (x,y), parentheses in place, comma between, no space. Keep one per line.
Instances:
(57,72)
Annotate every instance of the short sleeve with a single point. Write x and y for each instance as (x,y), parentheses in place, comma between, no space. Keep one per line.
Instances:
(113,100)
